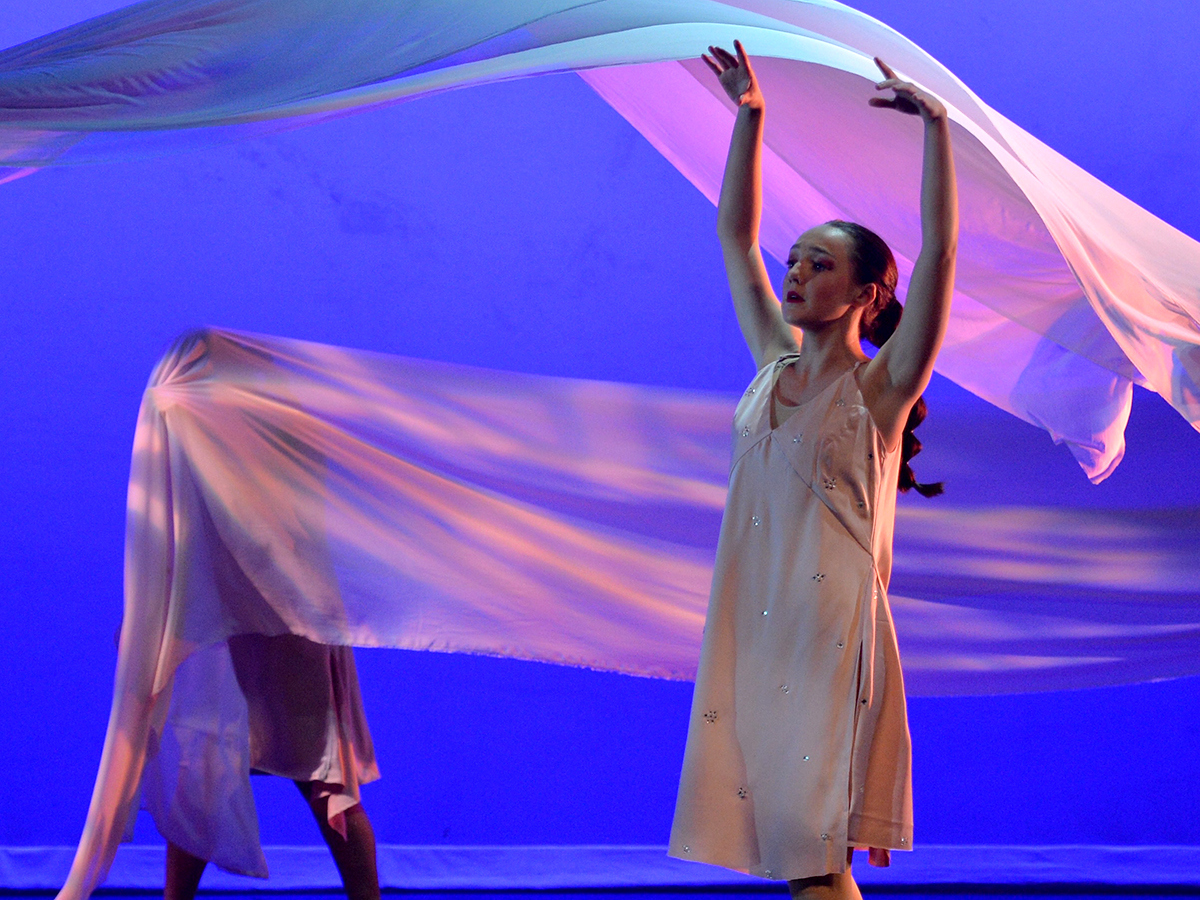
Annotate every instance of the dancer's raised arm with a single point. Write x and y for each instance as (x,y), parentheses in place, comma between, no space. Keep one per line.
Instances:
(801,447)
(740,209)
(902,368)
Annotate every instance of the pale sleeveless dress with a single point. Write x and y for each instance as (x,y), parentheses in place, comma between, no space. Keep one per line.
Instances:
(798,744)
(306,717)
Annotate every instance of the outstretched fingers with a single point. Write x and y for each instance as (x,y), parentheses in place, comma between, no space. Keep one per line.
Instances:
(891,81)
(742,59)
(735,74)
(908,98)
(886,69)
(724,57)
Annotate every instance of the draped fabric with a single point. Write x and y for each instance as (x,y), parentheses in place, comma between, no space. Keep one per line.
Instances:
(1067,293)
(355,498)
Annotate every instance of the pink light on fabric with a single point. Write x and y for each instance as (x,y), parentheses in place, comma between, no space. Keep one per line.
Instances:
(355,498)
(1068,293)
(352,498)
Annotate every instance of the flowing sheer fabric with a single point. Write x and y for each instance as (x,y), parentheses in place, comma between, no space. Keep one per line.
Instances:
(1068,293)
(282,487)
(354,498)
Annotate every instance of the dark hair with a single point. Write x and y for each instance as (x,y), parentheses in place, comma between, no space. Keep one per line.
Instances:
(874,264)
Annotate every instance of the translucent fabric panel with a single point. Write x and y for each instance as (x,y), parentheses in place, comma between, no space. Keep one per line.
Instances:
(355,498)
(1069,293)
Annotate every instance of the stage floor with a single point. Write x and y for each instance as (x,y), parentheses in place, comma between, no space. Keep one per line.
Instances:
(952,892)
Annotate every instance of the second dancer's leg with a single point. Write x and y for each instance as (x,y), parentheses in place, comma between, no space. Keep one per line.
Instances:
(183,874)
(355,853)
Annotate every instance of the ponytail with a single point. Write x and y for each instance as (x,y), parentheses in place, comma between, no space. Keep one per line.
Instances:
(874,264)
(910,446)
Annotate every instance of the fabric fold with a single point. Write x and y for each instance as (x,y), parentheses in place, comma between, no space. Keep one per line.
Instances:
(1068,293)
(352,498)
(358,499)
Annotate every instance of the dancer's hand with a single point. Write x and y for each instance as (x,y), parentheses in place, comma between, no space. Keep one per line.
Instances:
(908,97)
(736,75)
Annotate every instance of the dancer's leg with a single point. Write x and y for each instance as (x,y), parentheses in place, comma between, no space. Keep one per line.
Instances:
(825,887)
(354,854)
(835,886)
(183,874)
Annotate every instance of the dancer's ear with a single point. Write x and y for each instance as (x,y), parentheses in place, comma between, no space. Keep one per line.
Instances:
(867,296)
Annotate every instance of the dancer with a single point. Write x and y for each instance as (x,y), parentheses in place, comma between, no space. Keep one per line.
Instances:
(798,748)
(307,724)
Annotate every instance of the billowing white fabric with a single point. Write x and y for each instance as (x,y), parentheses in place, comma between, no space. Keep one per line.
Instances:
(1067,292)
(391,505)
(355,498)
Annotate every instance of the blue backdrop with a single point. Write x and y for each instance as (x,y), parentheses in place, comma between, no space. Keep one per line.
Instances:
(526,226)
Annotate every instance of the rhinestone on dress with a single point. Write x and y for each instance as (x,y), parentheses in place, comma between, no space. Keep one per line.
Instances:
(767,873)
(797,439)
(819,577)
(710,716)
(870,456)
(904,840)
(806,759)
(743,793)
(841,644)
(824,835)
(755,520)
(764,612)
(687,849)
(860,504)
(750,391)
(746,431)
(785,688)
(830,483)
(840,402)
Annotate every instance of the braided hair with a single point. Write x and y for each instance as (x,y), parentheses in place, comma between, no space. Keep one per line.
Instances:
(874,264)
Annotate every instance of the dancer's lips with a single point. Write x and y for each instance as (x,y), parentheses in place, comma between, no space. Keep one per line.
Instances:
(793,297)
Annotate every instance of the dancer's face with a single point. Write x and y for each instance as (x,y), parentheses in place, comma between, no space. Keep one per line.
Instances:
(819,287)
